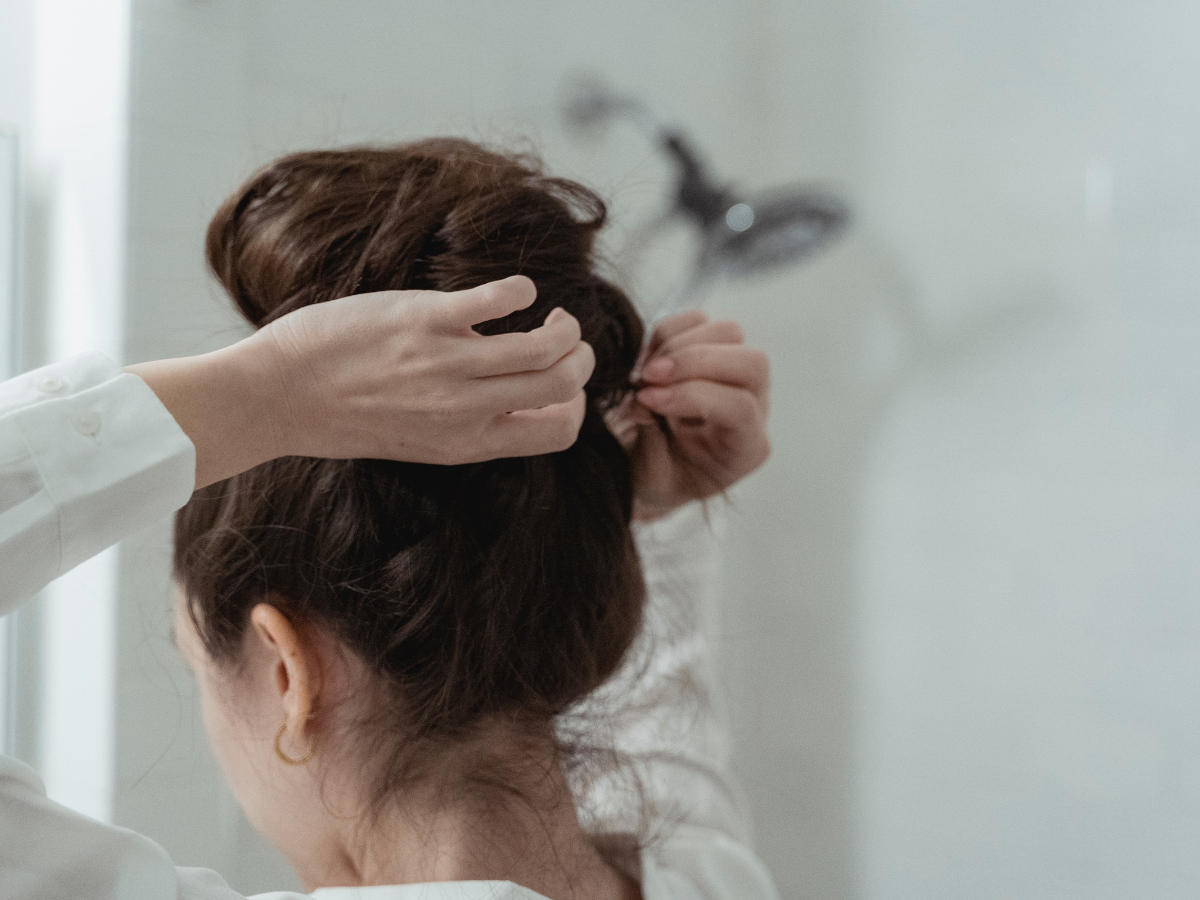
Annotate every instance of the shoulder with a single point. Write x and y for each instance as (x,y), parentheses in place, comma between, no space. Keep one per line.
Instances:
(205,884)
(51,851)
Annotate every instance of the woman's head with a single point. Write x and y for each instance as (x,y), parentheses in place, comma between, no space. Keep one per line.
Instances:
(459,597)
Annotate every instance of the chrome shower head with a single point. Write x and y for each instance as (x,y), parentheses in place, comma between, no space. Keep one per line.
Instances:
(743,236)
(772,230)
(739,236)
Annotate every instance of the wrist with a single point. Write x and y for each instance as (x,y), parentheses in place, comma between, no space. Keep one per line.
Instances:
(646,511)
(253,370)
(225,402)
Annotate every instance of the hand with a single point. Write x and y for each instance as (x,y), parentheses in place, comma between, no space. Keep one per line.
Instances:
(393,375)
(402,375)
(698,423)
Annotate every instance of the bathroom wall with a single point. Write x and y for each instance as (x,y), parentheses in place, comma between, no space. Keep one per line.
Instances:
(959,640)
(1029,646)
(188,148)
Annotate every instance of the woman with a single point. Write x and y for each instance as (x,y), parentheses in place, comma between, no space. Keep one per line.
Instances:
(393,658)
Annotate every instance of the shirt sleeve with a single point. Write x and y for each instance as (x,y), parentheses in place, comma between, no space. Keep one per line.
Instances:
(662,713)
(49,852)
(659,770)
(88,456)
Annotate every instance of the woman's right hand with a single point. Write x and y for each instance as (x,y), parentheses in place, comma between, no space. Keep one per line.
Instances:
(402,375)
(392,375)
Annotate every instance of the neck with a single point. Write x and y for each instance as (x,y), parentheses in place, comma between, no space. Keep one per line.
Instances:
(452,826)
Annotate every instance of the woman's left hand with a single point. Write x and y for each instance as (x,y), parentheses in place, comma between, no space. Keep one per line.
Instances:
(697,425)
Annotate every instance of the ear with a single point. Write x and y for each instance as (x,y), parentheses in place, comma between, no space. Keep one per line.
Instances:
(295,668)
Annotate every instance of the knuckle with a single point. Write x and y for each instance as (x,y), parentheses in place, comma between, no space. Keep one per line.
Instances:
(532,358)
(582,362)
(420,311)
(564,383)
(732,331)
(572,325)
(422,303)
(540,354)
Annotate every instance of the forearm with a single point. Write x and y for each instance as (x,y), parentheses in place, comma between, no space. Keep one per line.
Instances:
(89,455)
(226,402)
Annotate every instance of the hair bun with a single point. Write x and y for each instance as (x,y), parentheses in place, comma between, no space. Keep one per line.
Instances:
(509,587)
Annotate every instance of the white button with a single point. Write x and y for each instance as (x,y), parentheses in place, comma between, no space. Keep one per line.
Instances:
(50,384)
(86,422)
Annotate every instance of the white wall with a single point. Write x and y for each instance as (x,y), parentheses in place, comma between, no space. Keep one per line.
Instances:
(188,149)
(1030,646)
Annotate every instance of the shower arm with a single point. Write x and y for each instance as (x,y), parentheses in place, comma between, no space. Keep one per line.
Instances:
(695,195)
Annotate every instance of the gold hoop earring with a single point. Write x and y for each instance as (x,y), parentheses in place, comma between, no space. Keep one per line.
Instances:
(287,759)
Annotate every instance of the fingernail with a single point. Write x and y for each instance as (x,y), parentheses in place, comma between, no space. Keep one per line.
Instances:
(555,314)
(658,369)
(653,396)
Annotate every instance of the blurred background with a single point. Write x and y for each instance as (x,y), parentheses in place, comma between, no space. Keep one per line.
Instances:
(961,637)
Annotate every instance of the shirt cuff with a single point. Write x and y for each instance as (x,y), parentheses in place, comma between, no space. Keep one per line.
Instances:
(111,457)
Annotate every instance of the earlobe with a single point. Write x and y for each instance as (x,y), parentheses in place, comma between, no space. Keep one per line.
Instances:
(292,663)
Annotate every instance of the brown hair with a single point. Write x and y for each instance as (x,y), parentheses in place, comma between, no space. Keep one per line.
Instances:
(509,588)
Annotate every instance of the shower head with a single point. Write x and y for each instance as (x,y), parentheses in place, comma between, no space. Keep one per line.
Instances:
(771,230)
(739,236)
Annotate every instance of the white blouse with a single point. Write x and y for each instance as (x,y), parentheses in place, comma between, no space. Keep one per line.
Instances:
(88,455)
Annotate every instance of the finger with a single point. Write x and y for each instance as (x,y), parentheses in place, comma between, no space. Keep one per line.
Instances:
(531,390)
(459,310)
(673,325)
(705,404)
(733,364)
(523,351)
(535,431)
(720,332)
(621,421)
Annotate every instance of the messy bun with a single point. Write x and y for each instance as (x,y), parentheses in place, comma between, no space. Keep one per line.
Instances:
(507,588)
